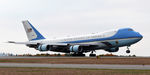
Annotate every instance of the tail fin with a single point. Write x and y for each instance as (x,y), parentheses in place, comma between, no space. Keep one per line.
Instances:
(31,32)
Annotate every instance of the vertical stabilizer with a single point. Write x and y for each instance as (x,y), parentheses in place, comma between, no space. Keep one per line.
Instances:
(31,32)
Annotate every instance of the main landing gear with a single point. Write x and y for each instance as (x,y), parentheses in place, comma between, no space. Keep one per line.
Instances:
(92,55)
(127,51)
(78,54)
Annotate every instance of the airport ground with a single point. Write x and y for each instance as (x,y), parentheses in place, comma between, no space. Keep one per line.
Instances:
(68,71)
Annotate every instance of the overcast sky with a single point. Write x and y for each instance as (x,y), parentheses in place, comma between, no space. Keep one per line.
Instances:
(60,18)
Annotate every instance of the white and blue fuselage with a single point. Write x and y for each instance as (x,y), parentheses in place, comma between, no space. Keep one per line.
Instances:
(109,39)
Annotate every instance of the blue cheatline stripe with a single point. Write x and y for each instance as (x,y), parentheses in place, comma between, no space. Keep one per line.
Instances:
(39,36)
(92,40)
(121,34)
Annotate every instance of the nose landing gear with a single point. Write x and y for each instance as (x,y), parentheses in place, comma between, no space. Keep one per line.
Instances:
(127,51)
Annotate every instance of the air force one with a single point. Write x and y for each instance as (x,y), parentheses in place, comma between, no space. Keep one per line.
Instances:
(109,41)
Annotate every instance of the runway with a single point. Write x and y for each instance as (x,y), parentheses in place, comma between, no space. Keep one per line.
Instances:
(12,61)
(86,66)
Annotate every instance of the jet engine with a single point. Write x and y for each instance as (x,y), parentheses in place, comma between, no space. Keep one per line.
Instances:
(44,47)
(75,48)
(112,49)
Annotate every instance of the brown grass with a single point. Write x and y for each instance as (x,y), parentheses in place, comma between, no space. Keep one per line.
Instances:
(55,71)
(137,61)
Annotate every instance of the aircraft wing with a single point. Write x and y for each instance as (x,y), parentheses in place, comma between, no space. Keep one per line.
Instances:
(35,43)
(59,47)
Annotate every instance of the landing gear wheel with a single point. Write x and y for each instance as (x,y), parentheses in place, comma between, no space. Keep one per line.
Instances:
(128,51)
(82,55)
(92,55)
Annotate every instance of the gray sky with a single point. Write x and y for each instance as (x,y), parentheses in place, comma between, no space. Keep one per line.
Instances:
(59,18)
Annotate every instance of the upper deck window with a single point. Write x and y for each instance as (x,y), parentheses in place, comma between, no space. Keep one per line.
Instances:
(130,29)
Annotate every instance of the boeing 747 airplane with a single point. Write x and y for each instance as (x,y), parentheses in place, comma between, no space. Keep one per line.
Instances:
(109,41)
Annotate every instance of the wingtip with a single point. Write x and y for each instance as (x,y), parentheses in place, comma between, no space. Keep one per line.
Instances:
(10,42)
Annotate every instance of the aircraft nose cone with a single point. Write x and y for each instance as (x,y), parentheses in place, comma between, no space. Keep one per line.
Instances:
(139,35)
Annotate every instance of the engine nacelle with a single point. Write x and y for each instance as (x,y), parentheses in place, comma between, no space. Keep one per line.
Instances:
(43,47)
(75,48)
(112,49)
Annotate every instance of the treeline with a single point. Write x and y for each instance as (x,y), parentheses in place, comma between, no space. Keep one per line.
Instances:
(46,54)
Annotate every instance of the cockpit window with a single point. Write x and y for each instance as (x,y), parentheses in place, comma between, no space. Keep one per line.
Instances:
(130,29)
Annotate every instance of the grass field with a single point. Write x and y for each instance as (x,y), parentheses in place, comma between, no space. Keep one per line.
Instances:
(135,61)
(64,71)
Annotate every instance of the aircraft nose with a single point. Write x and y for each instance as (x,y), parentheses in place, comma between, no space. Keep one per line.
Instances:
(139,35)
